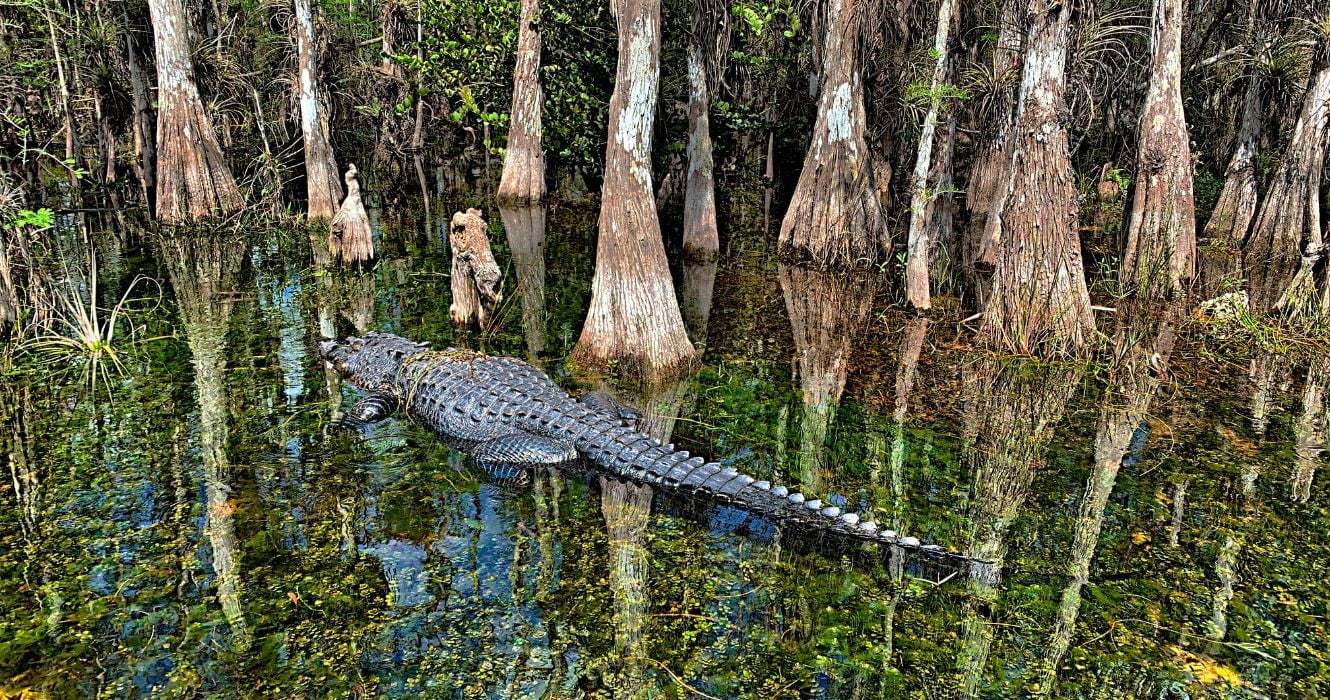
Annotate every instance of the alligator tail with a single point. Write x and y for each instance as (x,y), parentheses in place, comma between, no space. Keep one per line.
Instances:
(627,453)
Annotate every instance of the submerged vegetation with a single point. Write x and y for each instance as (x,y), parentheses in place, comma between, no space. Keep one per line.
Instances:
(1041,282)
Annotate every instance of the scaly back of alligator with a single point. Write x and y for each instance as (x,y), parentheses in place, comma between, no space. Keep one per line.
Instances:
(471,397)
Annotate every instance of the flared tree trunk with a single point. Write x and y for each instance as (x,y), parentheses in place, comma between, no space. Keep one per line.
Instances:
(919,242)
(1310,430)
(835,217)
(1287,233)
(1038,301)
(193,181)
(322,178)
(1231,218)
(1160,255)
(634,318)
(523,179)
(701,238)
(1233,213)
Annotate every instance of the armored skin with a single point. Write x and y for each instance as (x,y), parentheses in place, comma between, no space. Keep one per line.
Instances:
(507,414)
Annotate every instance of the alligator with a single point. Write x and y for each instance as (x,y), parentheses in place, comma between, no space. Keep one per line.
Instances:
(507,414)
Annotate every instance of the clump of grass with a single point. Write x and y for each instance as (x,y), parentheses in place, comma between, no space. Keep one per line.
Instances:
(83,333)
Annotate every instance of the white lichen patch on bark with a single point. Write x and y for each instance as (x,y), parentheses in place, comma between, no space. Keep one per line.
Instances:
(634,132)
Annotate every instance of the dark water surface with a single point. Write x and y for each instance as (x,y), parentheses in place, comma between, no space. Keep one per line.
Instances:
(209,531)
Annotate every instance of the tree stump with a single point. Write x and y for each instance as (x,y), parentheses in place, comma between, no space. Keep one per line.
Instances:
(350,237)
(476,280)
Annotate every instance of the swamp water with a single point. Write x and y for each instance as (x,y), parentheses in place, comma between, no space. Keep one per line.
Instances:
(209,530)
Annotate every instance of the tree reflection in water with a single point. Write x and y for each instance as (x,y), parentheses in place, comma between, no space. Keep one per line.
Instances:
(826,311)
(201,267)
(1010,408)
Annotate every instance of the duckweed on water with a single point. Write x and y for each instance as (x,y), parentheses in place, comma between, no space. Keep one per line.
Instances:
(214,531)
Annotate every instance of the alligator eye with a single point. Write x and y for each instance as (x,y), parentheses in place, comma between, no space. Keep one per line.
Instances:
(355,347)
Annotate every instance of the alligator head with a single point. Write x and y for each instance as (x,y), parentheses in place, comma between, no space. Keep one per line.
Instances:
(372,362)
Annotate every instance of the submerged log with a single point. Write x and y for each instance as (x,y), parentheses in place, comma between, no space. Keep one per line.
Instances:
(350,238)
(476,280)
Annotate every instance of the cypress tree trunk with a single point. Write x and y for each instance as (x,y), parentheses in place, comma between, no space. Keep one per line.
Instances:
(1236,207)
(1038,301)
(1160,256)
(321,174)
(1287,231)
(193,181)
(835,217)
(523,179)
(700,236)
(919,242)
(145,150)
(634,316)
(989,171)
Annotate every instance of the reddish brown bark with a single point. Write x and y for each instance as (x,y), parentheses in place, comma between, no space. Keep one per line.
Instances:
(193,180)
(1038,301)
(321,173)
(1160,255)
(523,179)
(634,317)
(1287,232)
(835,217)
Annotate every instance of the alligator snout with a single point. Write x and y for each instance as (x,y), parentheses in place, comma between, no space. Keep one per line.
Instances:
(334,351)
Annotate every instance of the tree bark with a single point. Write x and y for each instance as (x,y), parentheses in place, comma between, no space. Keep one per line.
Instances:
(990,168)
(193,181)
(634,317)
(523,179)
(145,150)
(919,242)
(1287,233)
(835,217)
(321,173)
(1160,256)
(701,238)
(1233,213)
(1038,301)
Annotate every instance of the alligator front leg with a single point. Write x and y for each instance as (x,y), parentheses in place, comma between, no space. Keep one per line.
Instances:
(603,403)
(373,408)
(523,450)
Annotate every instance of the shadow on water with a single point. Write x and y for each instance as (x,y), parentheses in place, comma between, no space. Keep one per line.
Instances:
(1157,517)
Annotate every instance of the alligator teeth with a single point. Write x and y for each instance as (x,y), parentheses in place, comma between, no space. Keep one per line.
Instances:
(780,491)
(831,511)
(814,504)
(868,526)
(850,519)
(910,541)
(796,498)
